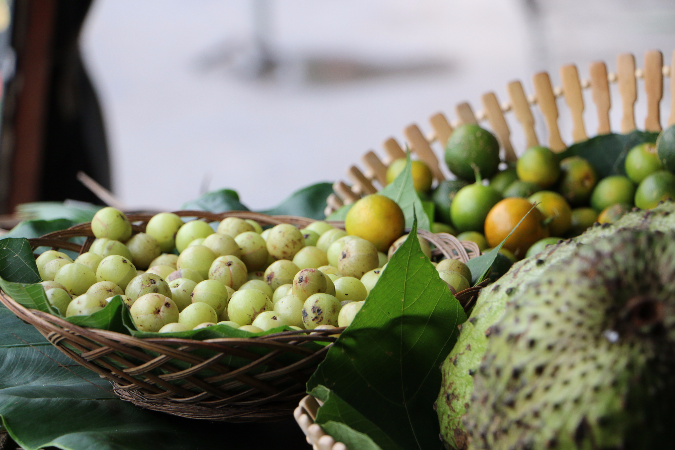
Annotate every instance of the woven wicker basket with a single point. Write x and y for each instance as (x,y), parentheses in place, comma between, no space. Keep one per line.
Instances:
(524,108)
(227,379)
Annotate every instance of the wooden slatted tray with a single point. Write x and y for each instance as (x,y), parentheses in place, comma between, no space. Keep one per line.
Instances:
(525,107)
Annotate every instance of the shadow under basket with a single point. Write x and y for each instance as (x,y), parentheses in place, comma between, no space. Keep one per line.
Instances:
(254,379)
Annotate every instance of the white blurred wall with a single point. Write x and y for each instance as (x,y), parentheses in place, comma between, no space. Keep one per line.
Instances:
(184,109)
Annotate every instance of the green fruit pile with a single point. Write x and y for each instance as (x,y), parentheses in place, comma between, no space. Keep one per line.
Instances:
(568,192)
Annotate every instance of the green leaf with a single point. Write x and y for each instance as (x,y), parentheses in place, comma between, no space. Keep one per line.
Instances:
(429,210)
(402,191)
(17,263)
(308,202)
(78,212)
(216,202)
(335,413)
(30,229)
(607,152)
(340,214)
(385,365)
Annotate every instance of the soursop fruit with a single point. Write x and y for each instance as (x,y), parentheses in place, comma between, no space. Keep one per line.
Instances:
(466,357)
(586,357)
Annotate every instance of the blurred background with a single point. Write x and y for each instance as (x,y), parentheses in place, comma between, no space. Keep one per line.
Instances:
(162,100)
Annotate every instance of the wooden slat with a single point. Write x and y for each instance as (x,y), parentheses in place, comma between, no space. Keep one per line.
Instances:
(334,202)
(442,128)
(376,167)
(344,192)
(575,100)
(522,111)
(498,123)
(671,118)
(393,150)
(653,89)
(360,180)
(548,106)
(465,113)
(601,95)
(628,90)
(421,147)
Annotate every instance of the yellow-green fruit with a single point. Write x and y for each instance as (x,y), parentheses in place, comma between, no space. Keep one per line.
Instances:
(328,237)
(198,258)
(162,271)
(426,249)
(59,299)
(111,223)
(320,309)
(165,259)
(234,226)
(213,293)
(190,231)
(229,270)
(348,312)
(284,241)
(280,272)
(310,257)
(377,219)
(358,257)
(163,227)
(197,313)
(90,260)
(253,250)
(455,265)
(144,249)
(539,165)
(319,227)
(151,312)
(75,278)
(117,269)
(260,285)
(222,244)
(84,306)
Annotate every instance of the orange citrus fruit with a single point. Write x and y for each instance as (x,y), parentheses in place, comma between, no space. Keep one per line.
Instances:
(505,215)
(377,219)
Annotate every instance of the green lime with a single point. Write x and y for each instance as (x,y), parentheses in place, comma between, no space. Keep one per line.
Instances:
(582,219)
(555,208)
(438,227)
(421,174)
(522,189)
(611,190)
(503,179)
(469,146)
(474,236)
(642,160)
(540,245)
(613,213)
(442,197)
(577,180)
(539,165)
(472,205)
(659,186)
(665,147)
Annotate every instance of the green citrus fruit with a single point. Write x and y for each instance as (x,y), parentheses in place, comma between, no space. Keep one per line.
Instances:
(554,207)
(539,165)
(474,236)
(665,147)
(503,179)
(613,213)
(421,174)
(442,197)
(582,219)
(577,180)
(642,160)
(656,187)
(541,245)
(611,190)
(471,205)
(469,146)
(437,227)
(522,189)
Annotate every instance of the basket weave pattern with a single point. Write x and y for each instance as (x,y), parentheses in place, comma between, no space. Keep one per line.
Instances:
(227,379)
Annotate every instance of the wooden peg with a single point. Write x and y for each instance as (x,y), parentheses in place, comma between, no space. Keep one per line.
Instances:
(361,181)
(344,192)
(393,150)
(333,203)
(522,111)
(465,113)
(575,100)
(627,89)
(671,118)
(442,128)
(376,167)
(498,123)
(601,95)
(653,89)
(420,145)
(548,106)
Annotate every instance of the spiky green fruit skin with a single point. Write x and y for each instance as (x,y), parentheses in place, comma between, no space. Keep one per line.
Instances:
(465,359)
(584,357)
